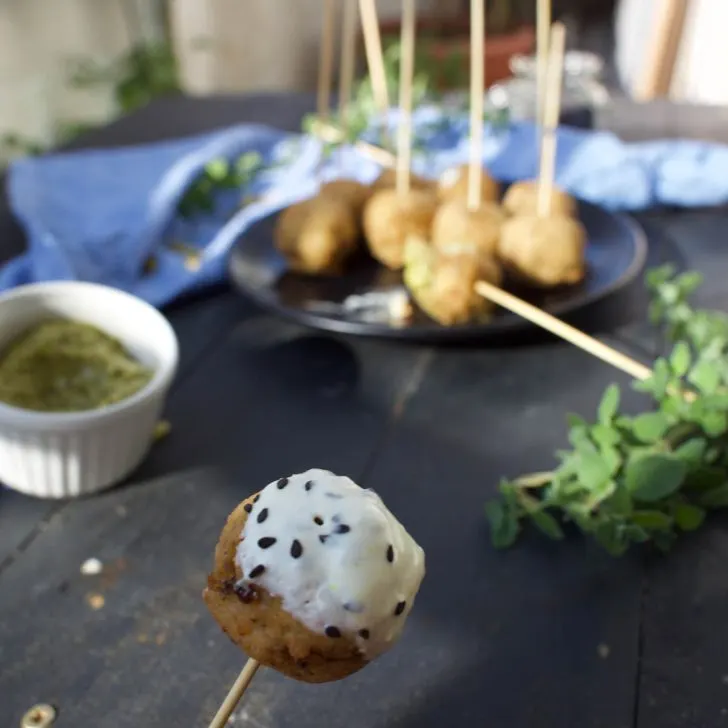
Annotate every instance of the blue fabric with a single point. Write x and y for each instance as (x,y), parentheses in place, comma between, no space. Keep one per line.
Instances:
(97,215)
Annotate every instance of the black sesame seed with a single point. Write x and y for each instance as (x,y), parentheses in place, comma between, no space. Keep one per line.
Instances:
(257,571)
(266,542)
(334,496)
(296,549)
(323,538)
(390,553)
(399,608)
(318,520)
(282,483)
(247,507)
(343,528)
(364,634)
(257,497)
(308,485)
(332,631)
(263,515)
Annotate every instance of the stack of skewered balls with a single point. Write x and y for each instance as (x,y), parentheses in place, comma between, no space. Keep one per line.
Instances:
(442,246)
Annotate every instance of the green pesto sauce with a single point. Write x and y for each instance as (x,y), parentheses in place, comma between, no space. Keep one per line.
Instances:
(67,366)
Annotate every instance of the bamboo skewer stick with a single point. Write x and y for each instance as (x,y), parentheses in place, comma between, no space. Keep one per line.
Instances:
(407,67)
(347,62)
(543,31)
(477,92)
(326,62)
(664,47)
(236,693)
(375,62)
(565,331)
(552,106)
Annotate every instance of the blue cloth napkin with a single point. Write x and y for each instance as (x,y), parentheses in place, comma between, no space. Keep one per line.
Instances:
(98,215)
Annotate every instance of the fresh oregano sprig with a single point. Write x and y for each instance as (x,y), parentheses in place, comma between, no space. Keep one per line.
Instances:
(648,478)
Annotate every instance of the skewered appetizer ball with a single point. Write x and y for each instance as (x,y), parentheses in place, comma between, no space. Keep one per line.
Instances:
(443,284)
(390,218)
(544,251)
(388,179)
(314,576)
(354,193)
(456,228)
(521,198)
(316,236)
(453,185)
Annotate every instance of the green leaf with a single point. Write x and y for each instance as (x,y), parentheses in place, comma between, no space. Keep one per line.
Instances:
(592,470)
(705,376)
(688,517)
(715,424)
(605,435)
(576,421)
(612,537)
(652,520)
(680,359)
(504,525)
(692,451)
(650,426)
(620,502)
(715,498)
(653,477)
(609,405)
(547,524)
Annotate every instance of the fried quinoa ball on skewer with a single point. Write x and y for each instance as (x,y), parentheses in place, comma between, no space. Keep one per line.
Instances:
(354,193)
(316,236)
(453,185)
(390,218)
(544,251)
(456,228)
(314,577)
(521,198)
(443,284)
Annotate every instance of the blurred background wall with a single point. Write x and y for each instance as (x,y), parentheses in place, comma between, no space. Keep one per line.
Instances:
(243,45)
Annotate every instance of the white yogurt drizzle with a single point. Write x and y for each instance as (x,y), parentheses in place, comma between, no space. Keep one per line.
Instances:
(339,560)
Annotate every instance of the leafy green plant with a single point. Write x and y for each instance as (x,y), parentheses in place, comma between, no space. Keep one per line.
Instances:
(648,478)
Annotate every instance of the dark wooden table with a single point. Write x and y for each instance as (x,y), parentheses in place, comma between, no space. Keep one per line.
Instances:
(547,635)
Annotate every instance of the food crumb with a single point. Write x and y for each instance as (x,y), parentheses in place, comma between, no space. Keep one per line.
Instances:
(161,430)
(91,567)
(95,601)
(39,716)
(603,651)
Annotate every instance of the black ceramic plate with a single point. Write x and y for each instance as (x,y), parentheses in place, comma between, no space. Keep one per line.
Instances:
(616,252)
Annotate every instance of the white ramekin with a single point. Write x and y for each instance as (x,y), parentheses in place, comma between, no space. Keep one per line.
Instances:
(63,455)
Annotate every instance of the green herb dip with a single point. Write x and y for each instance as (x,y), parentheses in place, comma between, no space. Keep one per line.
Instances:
(67,366)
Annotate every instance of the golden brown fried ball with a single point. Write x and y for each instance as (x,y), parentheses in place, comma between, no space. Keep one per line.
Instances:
(390,218)
(354,193)
(544,251)
(453,185)
(388,179)
(316,236)
(443,285)
(456,228)
(257,623)
(522,199)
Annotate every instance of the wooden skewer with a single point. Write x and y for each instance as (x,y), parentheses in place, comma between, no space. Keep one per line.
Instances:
(562,329)
(547,166)
(375,61)
(236,692)
(663,51)
(348,60)
(543,30)
(477,92)
(326,62)
(407,67)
